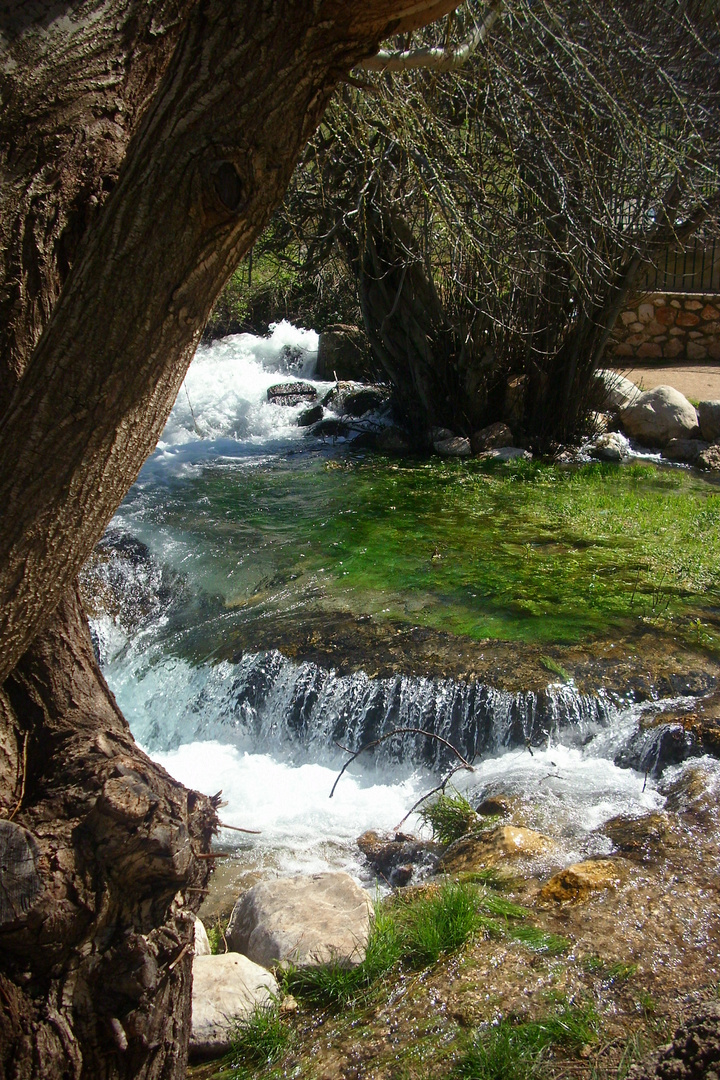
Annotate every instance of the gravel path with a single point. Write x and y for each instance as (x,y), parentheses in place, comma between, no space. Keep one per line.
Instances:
(701,382)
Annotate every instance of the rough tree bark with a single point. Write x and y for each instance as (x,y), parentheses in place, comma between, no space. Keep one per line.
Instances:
(143,145)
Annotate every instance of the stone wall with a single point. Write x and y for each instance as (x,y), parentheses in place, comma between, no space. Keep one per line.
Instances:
(667,326)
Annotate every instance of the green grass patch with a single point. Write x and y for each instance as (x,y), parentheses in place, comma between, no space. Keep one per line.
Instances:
(438,923)
(449,817)
(517,1051)
(260,1040)
(538,940)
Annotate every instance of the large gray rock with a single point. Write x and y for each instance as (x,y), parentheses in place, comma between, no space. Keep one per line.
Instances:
(506,453)
(457,446)
(492,437)
(684,450)
(709,418)
(617,390)
(226,989)
(306,921)
(660,415)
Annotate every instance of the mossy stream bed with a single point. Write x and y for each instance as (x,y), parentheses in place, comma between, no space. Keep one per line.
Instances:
(530,562)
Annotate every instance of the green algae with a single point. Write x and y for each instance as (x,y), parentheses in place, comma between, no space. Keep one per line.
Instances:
(523,552)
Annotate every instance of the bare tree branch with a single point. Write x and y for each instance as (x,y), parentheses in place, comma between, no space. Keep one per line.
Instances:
(399,731)
(449,58)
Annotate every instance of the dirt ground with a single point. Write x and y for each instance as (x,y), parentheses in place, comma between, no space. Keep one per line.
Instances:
(700,382)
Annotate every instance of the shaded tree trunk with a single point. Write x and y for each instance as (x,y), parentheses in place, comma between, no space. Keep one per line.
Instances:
(143,145)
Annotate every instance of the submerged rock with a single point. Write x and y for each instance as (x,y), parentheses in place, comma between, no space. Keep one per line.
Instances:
(291,393)
(306,921)
(659,415)
(481,849)
(638,837)
(495,806)
(226,989)
(709,420)
(396,859)
(492,437)
(652,749)
(330,428)
(578,882)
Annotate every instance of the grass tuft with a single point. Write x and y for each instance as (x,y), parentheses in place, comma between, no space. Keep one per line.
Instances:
(516,1051)
(449,817)
(439,923)
(538,940)
(260,1040)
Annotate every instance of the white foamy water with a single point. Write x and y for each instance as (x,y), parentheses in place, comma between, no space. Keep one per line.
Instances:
(222,411)
(302,830)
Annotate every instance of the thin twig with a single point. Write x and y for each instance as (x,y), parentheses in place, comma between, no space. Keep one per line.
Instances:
(399,731)
(236,828)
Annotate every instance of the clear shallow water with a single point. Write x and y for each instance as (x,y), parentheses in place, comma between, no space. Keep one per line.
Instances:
(247,524)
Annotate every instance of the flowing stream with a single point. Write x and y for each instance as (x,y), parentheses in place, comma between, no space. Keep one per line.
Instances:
(251,559)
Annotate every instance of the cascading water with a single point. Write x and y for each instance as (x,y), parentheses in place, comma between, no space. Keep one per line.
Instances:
(177,576)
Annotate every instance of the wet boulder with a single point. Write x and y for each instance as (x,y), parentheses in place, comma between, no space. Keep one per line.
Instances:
(491,848)
(638,838)
(686,451)
(226,990)
(330,428)
(396,859)
(612,446)
(366,399)
(306,921)
(310,416)
(709,420)
(491,437)
(291,393)
(577,883)
(495,806)
(393,440)
(652,749)
(659,415)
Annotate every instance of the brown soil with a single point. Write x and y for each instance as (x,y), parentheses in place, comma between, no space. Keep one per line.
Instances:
(700,382)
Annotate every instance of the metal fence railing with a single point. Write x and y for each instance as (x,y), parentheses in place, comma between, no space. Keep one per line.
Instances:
(693,269)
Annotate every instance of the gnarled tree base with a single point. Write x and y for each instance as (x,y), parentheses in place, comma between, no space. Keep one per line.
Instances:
(96,950)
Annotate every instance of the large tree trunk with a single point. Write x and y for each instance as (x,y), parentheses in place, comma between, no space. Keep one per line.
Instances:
(95,970)
(143,145)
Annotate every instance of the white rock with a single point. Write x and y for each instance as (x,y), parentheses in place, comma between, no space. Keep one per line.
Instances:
(659,415)
(202,942)
(619,391)
(226,989)
(457,446)
(302,920)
